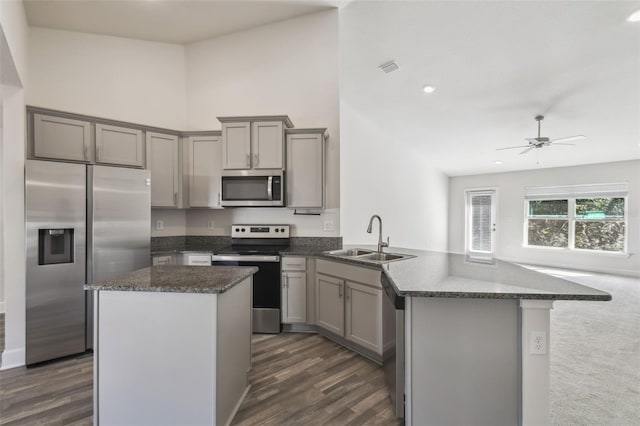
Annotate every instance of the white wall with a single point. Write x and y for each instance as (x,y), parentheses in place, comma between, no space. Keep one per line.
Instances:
(290,67)
(510,219)
(12,274)
(381,174)
(111,77)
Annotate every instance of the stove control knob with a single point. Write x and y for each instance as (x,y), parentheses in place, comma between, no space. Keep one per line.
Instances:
(237,229)
(242,229)
(282,230)
(277,230)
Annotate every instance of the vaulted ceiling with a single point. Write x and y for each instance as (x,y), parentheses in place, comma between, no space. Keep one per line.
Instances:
(495,65)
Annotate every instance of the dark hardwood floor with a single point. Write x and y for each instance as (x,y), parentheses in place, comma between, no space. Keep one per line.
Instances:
(296,379)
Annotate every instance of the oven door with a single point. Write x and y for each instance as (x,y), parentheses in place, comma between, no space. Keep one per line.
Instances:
(253,189)
(266,288)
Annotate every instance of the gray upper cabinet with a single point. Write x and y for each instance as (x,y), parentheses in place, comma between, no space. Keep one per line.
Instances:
(163,162)
(204,171)
(119,145)
(61,138)
(236,146)
(305,168)
(253,142)
(267,145)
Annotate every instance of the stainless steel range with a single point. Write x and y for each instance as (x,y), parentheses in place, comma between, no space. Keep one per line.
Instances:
(259,245)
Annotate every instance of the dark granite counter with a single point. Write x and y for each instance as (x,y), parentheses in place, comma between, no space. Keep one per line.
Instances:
(451,275)
(178,279)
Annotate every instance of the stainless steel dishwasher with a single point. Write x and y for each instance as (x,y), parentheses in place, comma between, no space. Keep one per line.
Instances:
(393,338)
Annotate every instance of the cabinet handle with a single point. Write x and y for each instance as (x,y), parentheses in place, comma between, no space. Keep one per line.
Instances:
(340,291)
(256,160)
(84,151)
(346,293)
(248,160)
(175,198)
(218,198)
(97,152)
(287,280)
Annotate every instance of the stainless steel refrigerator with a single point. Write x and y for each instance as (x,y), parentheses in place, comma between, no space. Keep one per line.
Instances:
(83,224)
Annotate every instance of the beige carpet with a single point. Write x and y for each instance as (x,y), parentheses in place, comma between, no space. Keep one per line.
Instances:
(595,354)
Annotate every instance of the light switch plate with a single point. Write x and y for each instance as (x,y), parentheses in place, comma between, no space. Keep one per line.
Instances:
(328,225)
(159,225)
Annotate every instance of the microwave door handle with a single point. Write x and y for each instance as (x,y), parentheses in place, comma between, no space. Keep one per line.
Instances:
(270,188)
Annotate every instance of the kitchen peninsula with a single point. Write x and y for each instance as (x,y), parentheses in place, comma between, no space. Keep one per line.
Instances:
(477,335)
(172,345)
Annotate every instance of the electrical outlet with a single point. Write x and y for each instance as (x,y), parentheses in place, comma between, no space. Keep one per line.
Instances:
(328,225)
(211,224)
(538,343)
(159,225)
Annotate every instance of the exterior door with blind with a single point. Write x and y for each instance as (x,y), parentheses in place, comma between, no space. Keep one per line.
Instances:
(481,224)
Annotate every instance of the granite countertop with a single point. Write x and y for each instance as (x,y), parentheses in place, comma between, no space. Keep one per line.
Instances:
(178,279)
(438,274)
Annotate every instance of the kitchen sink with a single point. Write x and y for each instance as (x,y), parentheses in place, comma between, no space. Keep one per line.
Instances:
(384,257)
(369,256)
(350,252)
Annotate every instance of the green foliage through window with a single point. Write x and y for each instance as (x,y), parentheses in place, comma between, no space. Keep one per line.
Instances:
(594,223)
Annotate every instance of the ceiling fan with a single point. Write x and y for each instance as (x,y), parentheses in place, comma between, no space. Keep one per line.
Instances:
(542,141)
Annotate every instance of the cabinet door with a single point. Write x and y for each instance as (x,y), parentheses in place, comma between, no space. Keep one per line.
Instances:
(267,142)
(236,145)
(119,145)
(305,170)
(330,303)
(205,171)
(363,321)
(61,138)
(162,155)
(294,297)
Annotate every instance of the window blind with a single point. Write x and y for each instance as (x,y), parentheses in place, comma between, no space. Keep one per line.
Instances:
(481,222)
(596,190)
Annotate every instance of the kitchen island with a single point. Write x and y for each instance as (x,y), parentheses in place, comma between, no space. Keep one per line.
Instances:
(476,336)
(172,345)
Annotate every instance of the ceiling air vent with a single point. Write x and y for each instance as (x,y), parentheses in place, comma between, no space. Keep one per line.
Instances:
(388,67)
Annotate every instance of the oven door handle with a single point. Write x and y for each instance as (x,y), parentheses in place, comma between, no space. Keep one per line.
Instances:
(244,258)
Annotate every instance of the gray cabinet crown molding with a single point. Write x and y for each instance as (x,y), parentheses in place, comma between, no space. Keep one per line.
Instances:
(284,118)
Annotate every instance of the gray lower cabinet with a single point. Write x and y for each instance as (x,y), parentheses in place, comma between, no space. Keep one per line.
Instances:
(294,289)
(119,145)
(163,162)
(61,138)
(305,168)
(349,303)
(204,171)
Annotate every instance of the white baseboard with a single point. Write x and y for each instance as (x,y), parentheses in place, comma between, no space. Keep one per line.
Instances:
(12,358)
(1,307)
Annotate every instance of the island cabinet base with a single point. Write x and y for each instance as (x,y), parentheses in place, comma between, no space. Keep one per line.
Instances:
(462,362)
(171,358)
(477,361)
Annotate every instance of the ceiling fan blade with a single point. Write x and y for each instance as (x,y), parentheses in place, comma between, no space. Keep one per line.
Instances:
(513,147)
(527,150)
(568,138)
(531,140)
(560,143)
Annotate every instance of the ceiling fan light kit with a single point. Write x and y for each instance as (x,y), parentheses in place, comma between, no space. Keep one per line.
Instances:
(542,141)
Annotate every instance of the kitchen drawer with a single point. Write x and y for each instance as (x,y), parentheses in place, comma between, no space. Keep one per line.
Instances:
(162,260)
(199,260)
(290,263)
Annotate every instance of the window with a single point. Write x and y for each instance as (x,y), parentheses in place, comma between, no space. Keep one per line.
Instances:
(481,224)
(587,217)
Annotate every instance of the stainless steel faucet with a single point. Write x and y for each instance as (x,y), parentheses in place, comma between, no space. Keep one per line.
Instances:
(381,244)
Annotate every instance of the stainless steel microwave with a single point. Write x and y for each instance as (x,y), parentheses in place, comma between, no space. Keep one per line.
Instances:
(253,188)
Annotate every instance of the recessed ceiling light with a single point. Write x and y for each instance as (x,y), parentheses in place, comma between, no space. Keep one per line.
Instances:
(634,17)
(498,162)
(429,89)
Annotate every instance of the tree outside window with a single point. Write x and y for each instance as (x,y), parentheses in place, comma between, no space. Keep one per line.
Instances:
(577,223)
